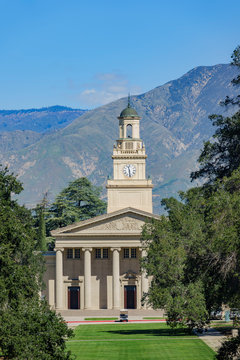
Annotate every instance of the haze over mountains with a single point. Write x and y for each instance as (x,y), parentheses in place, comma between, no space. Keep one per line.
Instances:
(47,149)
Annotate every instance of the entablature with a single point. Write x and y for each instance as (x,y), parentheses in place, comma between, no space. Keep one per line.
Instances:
(65,243)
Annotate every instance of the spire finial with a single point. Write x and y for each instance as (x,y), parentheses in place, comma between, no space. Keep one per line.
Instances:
(128,100)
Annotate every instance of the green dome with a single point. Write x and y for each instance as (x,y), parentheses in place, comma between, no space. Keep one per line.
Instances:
(128,112)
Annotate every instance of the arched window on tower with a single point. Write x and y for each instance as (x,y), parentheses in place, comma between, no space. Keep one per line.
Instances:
(129,131)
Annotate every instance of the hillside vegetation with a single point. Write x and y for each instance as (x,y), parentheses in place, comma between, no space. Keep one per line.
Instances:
(174,125)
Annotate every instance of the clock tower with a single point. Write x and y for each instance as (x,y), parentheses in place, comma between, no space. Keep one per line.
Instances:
(129,186)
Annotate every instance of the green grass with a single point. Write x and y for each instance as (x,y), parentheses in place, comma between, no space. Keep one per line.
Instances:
(101,318)
(224,327)
(136,341)
(221,324)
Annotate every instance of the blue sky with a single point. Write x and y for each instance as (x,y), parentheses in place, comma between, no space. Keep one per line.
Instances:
(87,53)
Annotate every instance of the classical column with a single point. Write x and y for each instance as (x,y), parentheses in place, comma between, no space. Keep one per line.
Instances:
(59,278)
(87,278)
(116,275)
(144,279)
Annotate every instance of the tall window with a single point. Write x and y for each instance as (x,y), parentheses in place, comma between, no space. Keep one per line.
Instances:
(133,253)
(69,253)
(98,253)
(105,253)
(73,253)
(130,253)
(77,253)
(126,253)
(101,253)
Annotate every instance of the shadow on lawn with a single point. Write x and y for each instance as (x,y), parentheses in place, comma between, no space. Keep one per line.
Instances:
(152,332)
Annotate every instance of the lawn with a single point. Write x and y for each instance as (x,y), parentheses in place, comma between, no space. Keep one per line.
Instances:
(136,341)
(224,327)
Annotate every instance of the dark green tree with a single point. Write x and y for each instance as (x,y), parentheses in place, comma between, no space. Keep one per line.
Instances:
(194,253)
(20,267)
(29,329)
(33,332)
(179,295)
(40,211)
(80,200)
(230,349)
(236,81)
(221,156)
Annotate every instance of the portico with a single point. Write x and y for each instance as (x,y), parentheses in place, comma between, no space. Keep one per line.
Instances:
(100,261)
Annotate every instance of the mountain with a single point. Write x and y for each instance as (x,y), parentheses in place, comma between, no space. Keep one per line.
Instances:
(174,125)
(38,120)
(15,140)
(22,128)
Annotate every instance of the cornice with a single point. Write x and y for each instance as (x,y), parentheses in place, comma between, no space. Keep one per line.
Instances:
(129,186)
(129,156)
(98,236)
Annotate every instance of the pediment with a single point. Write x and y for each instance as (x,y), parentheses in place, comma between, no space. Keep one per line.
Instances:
(119,224)
(129,221)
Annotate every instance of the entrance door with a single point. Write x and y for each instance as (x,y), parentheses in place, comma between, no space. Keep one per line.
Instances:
(74,297)
(130,297)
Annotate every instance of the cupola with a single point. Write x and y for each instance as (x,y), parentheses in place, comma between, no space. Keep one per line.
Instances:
(129,112)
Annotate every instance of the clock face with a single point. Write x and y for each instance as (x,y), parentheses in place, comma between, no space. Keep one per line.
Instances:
(129,170)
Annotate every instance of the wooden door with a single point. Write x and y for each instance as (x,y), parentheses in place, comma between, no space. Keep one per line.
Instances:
(74,297)
(130,296)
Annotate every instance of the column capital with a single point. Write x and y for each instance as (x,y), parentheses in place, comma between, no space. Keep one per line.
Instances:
(59,249)
(87,249)
(115,248)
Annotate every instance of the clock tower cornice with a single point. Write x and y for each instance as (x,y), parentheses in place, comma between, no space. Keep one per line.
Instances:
(129,156)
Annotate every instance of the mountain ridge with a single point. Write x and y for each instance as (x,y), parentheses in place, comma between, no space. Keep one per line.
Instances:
(174,125)
(52,108)
(40,120)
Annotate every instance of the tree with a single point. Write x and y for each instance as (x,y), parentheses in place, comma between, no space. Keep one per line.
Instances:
(29,329)
(170,288)
(194,253)
(20,267)
(33,331)
(230,349)
(80,200)
(221,157)
(236,81)
(40,211)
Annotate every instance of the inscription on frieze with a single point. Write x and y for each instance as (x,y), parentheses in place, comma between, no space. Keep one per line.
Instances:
(122,224)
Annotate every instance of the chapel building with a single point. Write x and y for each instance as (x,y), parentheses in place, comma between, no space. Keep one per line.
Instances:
(96,262)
